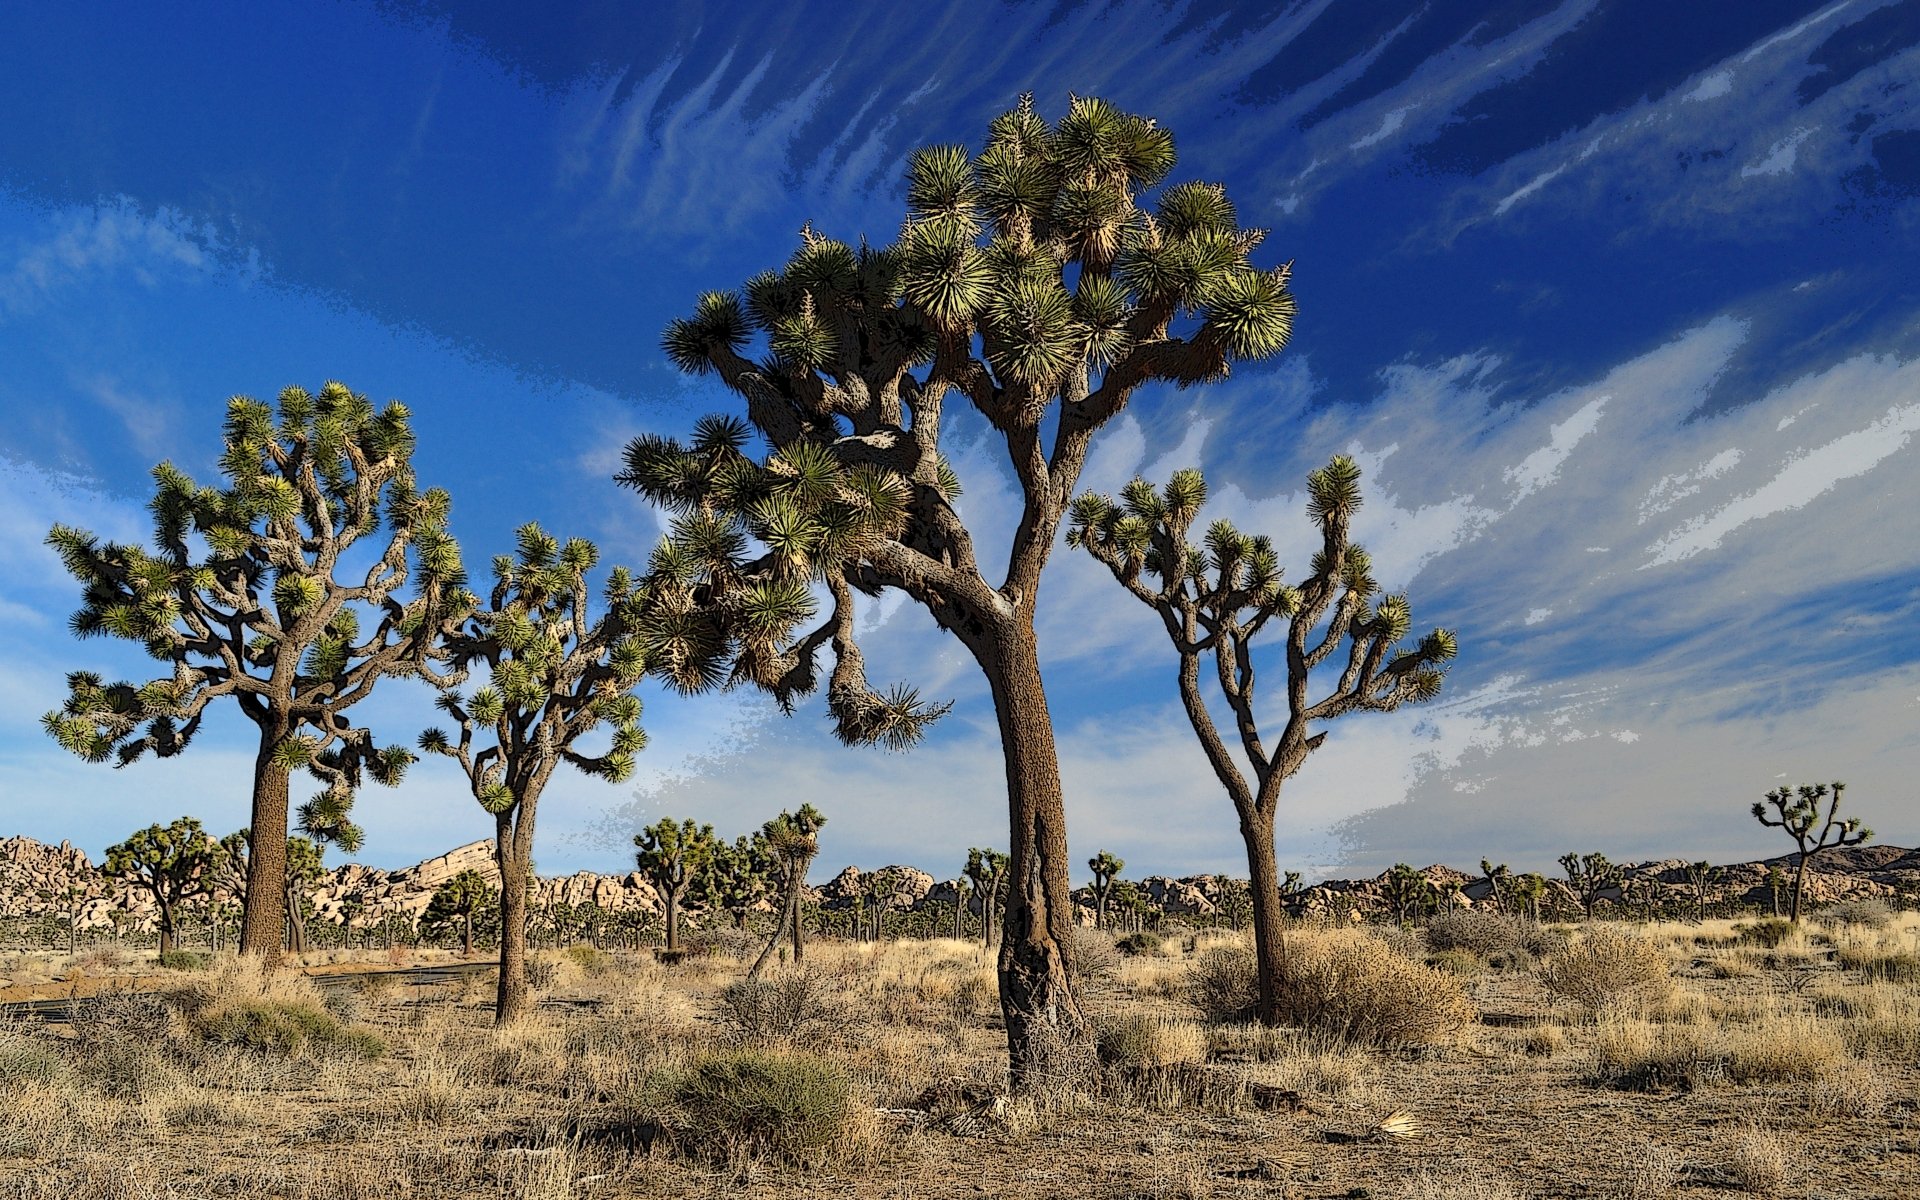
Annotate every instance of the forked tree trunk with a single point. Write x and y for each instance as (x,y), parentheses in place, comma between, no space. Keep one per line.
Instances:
(512,996)
(1799,881)
(793,902)
(263,925)
(1036,995)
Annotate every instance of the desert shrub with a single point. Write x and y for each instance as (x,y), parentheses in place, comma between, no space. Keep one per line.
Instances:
(781,1006)
(1769,933)
(1457,962)
(591,960)
(1143,942)
(186,960)
(123,1045)
(1223,983)
(27,1060)
(285,1028)
(1861,912)
(1091,955)
(1401,940)
(1760,1164)
(785,1105)
(1607,969)
(1643,1057)
(1144,1040)
(1352,986)
(103,960)
(1877,965)
(542,972)
(726,942)
(1490,935)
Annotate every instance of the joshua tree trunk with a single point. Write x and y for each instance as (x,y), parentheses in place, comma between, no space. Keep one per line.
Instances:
(263,923)
(1269,948)
(296,921)
(166,927)
(512,855)
(787,923)
(672,896)
(1799,881)
(793,907)
(1034,988)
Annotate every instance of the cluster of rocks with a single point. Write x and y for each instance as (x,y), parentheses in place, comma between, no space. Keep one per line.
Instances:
(44,881)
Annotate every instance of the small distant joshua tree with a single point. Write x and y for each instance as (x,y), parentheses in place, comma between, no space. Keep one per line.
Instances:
(1407,891)
(739,877)
(1776,884)
(671,855)
(556,675)
(305,866)
(1290,884)
(243,598)
(1499,884)
(1811,816)
(1236,905)
(988,871)
(172,863)
(461,899)
(1216,599)
(1526,893)
(793,838)
(1106,868)
(1701,877)
(1589,875)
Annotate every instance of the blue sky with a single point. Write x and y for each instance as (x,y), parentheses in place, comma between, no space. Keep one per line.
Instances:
(1615,303)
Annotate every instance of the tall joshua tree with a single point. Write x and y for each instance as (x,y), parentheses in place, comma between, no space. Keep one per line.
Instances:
(1811,816)
(671,855)
(793,838)
(1589,875)
(243,597)
(1216,601)
(172,863)
(555,675)
(988,871)
(1105,867)
(1037,282)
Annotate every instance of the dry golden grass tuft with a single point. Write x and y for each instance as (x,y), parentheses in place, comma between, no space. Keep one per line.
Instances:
(1148,1040)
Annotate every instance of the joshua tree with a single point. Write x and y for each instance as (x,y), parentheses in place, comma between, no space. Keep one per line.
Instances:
(68,898)
(793,839)
(673,854)
(458,899)
(1235,904)
(1776,883)
(1640,895)
(1105,868)
(1702,877)
(1407,892)
(352,908)
(1526,892)
(1811,817)
(1215,601)
(1290,884)
(172,863)
(988,871)
(738,878)
(1589,875)
(304,868)
(1499,884)
(241,598)
(1030,282)
(555,675)
(962,888)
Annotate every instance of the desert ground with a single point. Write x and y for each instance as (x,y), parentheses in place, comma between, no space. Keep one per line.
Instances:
(1483,1059)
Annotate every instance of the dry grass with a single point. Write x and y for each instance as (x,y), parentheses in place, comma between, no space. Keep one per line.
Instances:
(589,1098)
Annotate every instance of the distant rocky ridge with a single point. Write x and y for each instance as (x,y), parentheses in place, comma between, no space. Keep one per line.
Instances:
(37,879)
